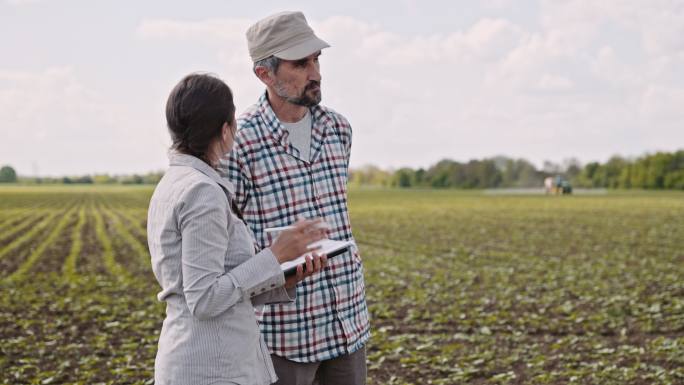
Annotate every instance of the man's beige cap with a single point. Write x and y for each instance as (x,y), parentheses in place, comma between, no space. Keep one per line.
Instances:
(285,35)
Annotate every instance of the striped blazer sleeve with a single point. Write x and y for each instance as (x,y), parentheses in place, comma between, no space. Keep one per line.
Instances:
(210,290)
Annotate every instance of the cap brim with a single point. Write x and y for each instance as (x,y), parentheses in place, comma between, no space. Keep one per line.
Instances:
(302,49)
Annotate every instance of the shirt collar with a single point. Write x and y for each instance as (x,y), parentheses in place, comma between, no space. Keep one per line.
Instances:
(270,118)
(278,133)
(178,159)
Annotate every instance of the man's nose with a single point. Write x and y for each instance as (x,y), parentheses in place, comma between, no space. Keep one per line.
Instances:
(314,72)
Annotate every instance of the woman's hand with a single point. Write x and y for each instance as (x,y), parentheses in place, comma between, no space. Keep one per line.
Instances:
(290,244)
(313,266)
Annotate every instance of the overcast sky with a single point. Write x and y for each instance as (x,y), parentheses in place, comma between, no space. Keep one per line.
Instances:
(83,83)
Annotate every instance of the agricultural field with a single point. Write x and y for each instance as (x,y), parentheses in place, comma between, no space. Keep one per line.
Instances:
(463,288)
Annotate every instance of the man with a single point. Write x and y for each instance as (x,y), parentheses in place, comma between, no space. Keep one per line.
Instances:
(290,160)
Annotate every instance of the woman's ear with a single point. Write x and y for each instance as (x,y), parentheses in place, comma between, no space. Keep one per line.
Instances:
(226,131)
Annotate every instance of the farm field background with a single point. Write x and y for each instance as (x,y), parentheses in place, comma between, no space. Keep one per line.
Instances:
(463,288)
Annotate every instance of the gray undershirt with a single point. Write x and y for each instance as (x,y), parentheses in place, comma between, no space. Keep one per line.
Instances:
(300,135)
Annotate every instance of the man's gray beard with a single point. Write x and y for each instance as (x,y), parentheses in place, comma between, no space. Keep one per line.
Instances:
(301,100)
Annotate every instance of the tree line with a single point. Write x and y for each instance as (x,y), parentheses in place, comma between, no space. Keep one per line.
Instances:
(9,175)
(662,170)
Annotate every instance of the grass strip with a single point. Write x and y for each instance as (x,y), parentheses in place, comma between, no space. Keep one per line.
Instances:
(134,223)
(111,265)
(29,234)
(139,248)
(69,268)
(38,251)
(21,225)
(13,216)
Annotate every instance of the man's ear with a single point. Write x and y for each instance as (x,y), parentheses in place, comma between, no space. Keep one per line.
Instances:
(265,75)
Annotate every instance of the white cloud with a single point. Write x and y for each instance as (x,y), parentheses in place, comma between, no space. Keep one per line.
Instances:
(608,67)
(21,2)
(54,124)
(225,36)
(551,82)
(663,104)
(590,80)
(494,38)
(498,4)
(224,30)
(494,87)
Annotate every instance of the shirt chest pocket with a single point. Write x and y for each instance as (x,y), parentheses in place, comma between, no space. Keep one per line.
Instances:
(330,172)
(281,186)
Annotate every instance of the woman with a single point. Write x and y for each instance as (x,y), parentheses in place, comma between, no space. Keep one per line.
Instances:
(203,254)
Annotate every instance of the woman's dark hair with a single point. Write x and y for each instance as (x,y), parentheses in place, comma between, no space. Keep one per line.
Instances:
(195,112)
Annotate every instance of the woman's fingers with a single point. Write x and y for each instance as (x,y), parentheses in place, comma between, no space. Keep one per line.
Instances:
(317,262)
(300,273)
(311,230)
(311,225)
(309,265)
(314,236)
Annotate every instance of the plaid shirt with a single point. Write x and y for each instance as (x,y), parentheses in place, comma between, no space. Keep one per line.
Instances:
(275,187)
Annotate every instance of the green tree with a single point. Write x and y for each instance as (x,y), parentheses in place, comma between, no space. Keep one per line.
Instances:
(132,179)
(612,170)
(657,171)
(8,175)
(152,177)
(103,179)
(84,179)
(481,174)
(589,175)
(572,168)
(445,173)
(369,176)
(625,178)
(517,172)
(404,177)
(674,179)
(420,177)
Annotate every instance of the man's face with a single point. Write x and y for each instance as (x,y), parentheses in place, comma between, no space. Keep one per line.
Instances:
(299,81)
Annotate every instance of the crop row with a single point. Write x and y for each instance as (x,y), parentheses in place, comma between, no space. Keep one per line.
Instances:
(84,237)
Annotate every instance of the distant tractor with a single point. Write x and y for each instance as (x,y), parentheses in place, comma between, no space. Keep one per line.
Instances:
(557,186)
